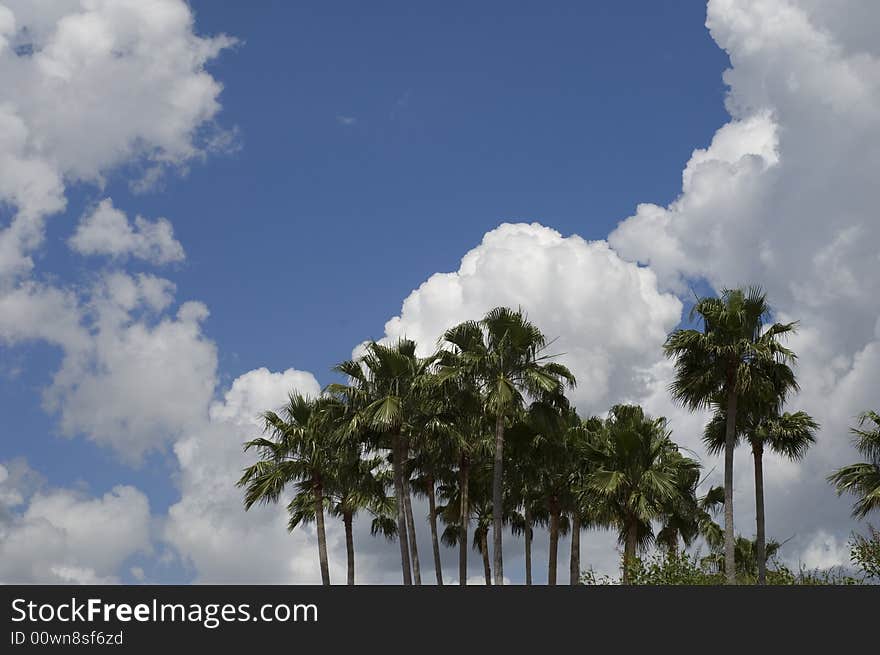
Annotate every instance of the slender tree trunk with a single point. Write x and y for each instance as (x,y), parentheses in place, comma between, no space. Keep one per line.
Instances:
(528,536)
(554,541)
(575,564)
(729,446)
(410,523)
(435,543)
(629,549)
(484,547)
(464,478)
(498,500)
(402,540)
(349,545)
(758,452)
(322,534)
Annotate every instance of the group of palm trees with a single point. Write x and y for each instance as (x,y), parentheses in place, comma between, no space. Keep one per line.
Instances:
(483,430)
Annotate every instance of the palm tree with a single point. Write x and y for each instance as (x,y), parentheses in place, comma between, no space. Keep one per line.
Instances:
(724,360)
(534,512)
(479,507)
(586,510)
(636,467)
(300,451)
(383,394)
(527,507)
(761,424)
(357,482)
(454,421)
(862,480)
(746,556)
(558,449)
(504,355)
(482,515)
(431,465)
(682,514)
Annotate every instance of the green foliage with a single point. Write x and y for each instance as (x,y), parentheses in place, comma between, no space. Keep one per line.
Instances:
(865,553)
(862,480)
(681,568)
(732,348)
(637,472)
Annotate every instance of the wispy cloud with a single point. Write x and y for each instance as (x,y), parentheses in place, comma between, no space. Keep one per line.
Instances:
(345,120)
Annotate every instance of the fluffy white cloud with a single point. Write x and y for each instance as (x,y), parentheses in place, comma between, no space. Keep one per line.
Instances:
(133,376)
(63,536)
(606,314)
(107,231)
(143,380)
(89,86)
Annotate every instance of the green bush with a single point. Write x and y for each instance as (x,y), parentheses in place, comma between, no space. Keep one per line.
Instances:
(865,553)
(680,568)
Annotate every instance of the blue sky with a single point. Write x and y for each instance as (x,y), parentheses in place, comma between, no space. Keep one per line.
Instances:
(372,145)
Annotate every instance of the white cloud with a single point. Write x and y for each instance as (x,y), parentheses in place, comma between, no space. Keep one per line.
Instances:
(825,551)
(63,536)
(142,379)
(89,86)
(133,376)
(607,314)
(107,231)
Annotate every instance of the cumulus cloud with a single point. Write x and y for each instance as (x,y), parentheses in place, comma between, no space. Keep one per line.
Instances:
(63,536)
(140,382)
(107,231)
(607,315)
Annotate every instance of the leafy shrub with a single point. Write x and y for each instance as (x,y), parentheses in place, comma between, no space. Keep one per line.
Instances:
(865,553)
(680,568)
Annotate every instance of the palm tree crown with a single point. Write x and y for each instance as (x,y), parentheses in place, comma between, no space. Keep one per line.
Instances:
(862,480)
(637,472)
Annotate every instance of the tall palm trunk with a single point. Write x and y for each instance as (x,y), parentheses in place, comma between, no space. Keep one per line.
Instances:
(410,523)
(349,544)
(528,536)
(729,446)
(484,548)
(464,478)
(497,500)
(575,563)
(435,544)
(397,473)
(761,545)
(629,549)
(554,541)
(322,534)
